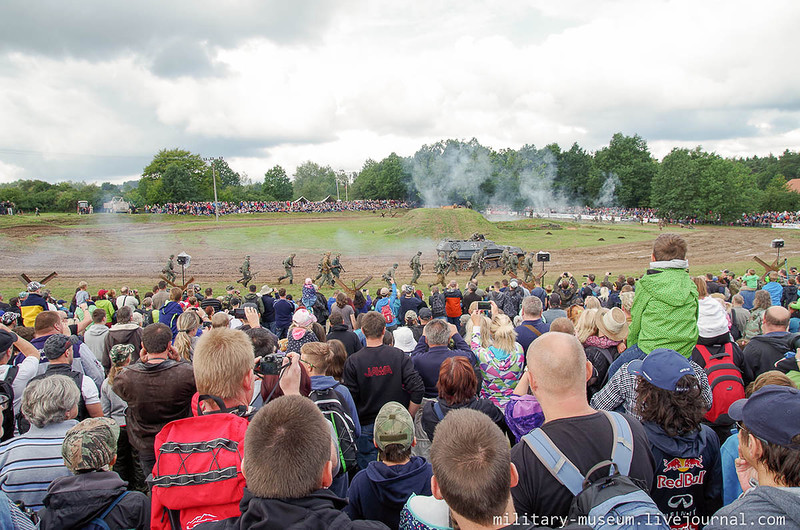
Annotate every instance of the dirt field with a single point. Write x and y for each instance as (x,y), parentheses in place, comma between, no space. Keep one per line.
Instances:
(111,250)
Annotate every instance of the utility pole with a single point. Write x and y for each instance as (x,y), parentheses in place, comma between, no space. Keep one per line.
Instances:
(214,178)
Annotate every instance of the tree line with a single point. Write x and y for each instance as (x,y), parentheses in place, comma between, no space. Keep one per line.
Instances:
(686,183)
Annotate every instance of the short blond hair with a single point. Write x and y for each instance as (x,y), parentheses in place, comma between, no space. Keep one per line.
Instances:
(221,360)
(220,320)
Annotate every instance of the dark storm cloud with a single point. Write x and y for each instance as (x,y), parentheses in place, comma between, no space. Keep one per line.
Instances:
(161,32)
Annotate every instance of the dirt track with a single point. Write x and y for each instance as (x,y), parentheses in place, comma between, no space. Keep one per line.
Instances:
(101,251)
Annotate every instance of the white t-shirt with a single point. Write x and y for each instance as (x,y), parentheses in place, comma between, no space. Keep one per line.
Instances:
(28,369)
(89,391)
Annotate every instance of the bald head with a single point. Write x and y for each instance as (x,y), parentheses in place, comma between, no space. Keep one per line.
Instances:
(557,365)
(776,318)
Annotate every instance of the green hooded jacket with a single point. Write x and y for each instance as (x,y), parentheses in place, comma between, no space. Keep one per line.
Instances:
(664,313)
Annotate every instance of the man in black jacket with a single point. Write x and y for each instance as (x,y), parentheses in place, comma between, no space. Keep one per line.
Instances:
(376,375)
(287,464)
(763,351)
(340,332)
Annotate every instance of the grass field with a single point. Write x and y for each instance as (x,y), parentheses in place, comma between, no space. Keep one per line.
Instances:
(114,250)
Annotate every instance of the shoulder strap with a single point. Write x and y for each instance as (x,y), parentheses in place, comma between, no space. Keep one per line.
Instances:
(535,331)
(11,374)
(622,451)
(554,460)
(113,505)
(438,410)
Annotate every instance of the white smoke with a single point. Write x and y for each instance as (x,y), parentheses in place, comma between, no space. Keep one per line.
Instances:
(607,196)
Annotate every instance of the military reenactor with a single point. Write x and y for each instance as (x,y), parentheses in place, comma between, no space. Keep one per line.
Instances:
(513,262)
(336,266)
(388,276)
(483,263)
(415,266)
(452,263)
(169,269)
(230,292)
(439,268)
(504,257)
(245,270)
(475,265)
(288,265)
(527,266)
(325,266)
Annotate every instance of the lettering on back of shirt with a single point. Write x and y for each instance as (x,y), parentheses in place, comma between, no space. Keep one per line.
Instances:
(375,371)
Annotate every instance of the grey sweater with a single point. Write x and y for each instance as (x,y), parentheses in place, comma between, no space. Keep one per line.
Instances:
(761,507)
(113,406)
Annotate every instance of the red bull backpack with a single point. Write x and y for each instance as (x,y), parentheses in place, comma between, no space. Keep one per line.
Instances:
(725,380)
(613,501)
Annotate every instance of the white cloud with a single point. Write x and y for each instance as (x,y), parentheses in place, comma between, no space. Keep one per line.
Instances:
(379,77)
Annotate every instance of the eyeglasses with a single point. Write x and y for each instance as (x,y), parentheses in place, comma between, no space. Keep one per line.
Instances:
(307,363)
(3,402)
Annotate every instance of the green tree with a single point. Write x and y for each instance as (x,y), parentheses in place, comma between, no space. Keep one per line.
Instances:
(177,184)
(628,157)
(778,197)
(314,182)
(387,179)
(578,179)
(277,184)
(193,171)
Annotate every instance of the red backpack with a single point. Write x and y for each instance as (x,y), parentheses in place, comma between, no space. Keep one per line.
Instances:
(198,473)
(388,316)
(724,378)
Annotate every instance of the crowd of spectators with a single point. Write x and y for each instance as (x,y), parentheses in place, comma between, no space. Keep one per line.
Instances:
(227,208)
(495,406)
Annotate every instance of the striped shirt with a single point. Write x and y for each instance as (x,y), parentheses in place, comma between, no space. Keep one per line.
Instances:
(30,462)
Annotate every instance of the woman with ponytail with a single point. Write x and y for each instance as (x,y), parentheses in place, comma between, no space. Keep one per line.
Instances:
(188,324)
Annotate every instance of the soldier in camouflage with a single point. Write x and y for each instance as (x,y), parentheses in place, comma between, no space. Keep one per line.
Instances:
(226,300)
(169,269)
(475,265)
(245,270)
(336,266)
(325,267)
(415,266)
(388,276)
(452,263)
(527,266)
(513,262)
(288,265)
(439,268)
(504,260)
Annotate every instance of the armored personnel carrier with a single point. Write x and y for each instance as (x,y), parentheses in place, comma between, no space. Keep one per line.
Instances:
(467,247)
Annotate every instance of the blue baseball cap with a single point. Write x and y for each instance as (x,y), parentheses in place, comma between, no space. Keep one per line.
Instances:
(662,368)
(772,414)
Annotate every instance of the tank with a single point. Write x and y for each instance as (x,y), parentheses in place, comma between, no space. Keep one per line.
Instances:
(117,205)
(467,247)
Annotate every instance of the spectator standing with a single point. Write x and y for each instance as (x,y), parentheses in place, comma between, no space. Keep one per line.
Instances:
(380,491)
(158,390)
(95,335)
(339,331)
(169,312)
(774,288)
(17,376)
(31,461)
(89,451)
(82,294)
(376,375)
(211,301)
(470,296)
(452,296)
(284,309)
(33,304)
(103,302)
(686,452)
(763,351)
(532,325)
(346,310)
(123,332)
(126,298)
(557,373)
(433,348)
(437,303)
(761,302)
(268,318)
(739,314)
(161,296)
(554,311)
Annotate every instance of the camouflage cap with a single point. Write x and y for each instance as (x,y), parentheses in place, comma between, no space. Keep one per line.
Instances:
(34,286)
(55,345)
(120,352)
(91,444)
(393,425)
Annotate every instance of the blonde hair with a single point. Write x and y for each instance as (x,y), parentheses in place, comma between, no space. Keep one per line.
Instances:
(700,283)
(584,327)
(626,300)
(319,354)
(592,302)
(503,335)
(187,320)
(219,320)
(484,328)
(222,358)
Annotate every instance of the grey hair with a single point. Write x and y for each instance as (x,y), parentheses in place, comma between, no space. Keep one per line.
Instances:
(532,305)
(49,400)
(437,332)
(124,315)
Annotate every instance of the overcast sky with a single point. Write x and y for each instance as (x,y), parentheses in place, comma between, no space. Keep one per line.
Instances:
(91,90)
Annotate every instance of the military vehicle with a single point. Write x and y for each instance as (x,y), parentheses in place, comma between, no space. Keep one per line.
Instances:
(467,247)
(117,205)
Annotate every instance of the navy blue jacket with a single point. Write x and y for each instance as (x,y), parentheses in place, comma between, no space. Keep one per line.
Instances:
(427,361)
(269,311)
(379,492)
(688,475)
(525,336)
(283,313)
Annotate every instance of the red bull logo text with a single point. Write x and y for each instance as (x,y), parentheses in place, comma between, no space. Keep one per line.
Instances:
(684,480)
(682,464)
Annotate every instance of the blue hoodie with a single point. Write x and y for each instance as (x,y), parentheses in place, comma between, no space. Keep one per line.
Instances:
(379,492)
(169,314)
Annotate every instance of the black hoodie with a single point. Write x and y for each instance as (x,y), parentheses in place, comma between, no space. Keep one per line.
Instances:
(763,351)
(318,511)
(73,501)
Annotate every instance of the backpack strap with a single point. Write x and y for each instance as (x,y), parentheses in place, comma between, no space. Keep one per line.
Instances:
(11,374)
(112,505)
(622,451)
(535,331)
(554,460)
(438,410)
